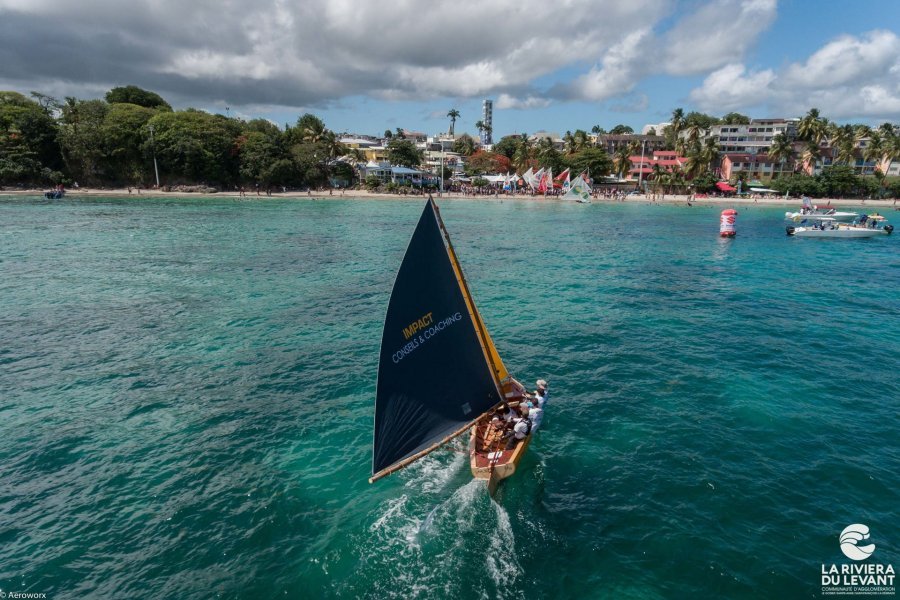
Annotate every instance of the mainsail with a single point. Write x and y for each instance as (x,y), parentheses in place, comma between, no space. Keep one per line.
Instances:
(580,190)
(438,371)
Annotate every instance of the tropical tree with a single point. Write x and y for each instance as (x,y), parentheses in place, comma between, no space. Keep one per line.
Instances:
(622,161)
(123,131)
(781,150)
(131,94)
(453,114)
(81,138)
(677,121)
(29,150)
(593,160)
(464,145)
(404,153)
(195,146)
(621,130)
(811,127)
(810,155)
(734,118)
(523,156)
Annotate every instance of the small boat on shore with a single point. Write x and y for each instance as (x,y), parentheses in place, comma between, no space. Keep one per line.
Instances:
(827,227)
(55,194)
(439,373)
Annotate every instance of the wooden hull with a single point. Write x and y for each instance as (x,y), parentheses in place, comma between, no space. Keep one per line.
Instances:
(489,458)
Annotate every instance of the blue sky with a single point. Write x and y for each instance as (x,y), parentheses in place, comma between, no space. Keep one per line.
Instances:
(365,67)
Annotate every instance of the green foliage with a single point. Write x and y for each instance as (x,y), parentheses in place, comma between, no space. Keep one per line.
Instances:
(704,182)
(373,182)
(464,145)
(507,146)
(799,184)
(734,118)
(29,151)
(404,153)
(131,94)
(194,146)
(81,138)
(263,158)
(123,157)
(480,182)
(621,130)
(839,180)
(698,119)
(594,160)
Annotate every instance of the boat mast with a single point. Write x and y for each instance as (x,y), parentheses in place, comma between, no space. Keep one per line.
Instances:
(479,324)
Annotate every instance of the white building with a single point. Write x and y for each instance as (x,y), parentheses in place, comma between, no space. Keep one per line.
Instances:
(754,138)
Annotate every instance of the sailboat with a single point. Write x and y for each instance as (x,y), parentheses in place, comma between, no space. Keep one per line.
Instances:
(579,190)
(439,373)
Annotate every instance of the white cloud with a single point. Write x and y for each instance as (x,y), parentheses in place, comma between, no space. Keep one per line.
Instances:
(847,60)
(732,87)
(850,77)
(716,34)
(505,101)
(619,71)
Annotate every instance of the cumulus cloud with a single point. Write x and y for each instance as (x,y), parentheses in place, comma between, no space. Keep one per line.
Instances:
(303,52)
(733,87)
(848,77)
(506,101)
(716,34)
(619,72)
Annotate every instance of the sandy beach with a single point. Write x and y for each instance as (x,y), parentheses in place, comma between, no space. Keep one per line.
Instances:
(884,204)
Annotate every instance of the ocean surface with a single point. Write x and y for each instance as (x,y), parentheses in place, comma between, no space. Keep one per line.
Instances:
(186,402)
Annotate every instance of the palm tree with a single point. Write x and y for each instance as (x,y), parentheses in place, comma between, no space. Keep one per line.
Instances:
(569,141)
(811,154)
(781,150)
(479,125)
(581,140)
(464,145)
(677,120)
(710,152)
(622,162)
(875,147)
(453,114)
(523,154)
(811,126)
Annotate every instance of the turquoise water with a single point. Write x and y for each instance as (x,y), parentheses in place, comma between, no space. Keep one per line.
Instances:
(186,403)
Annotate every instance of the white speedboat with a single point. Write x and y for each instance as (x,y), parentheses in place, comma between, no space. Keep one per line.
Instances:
(828,227)
(815,213)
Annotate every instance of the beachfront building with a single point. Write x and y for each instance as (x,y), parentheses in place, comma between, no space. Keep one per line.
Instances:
(746,166)
(388,173)
(753,138)
(642,168)
(558,142)
(611,142)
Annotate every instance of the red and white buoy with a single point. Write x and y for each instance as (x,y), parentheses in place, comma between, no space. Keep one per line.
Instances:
(726,225)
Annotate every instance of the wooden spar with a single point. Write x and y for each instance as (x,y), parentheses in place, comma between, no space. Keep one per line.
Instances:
(410,459)
(473,310)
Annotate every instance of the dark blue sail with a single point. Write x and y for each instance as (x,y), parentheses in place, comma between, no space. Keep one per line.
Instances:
(434,377)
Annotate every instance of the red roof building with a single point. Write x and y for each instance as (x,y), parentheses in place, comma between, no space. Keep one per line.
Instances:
(668,160)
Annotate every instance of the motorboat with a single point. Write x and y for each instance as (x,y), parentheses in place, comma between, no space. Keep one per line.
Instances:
(829,227)
(816,212)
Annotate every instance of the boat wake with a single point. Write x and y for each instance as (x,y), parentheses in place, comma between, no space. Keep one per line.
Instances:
(436,541)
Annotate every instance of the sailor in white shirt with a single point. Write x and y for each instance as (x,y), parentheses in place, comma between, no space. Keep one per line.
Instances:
(541,393)
(535,415)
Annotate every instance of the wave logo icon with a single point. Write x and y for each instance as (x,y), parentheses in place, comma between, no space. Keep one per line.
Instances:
(850,538)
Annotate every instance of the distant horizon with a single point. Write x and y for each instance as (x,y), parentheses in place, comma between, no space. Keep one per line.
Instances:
(368,68)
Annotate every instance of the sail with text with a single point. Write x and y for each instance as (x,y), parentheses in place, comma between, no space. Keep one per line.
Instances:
(438,370)
(579,190)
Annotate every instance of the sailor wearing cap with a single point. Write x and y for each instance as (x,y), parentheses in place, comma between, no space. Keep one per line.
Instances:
(541,393)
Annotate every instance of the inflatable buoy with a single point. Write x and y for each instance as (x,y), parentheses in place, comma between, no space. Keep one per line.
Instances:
(726,223)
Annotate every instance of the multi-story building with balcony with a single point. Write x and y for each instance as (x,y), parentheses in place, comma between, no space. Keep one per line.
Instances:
(754,138)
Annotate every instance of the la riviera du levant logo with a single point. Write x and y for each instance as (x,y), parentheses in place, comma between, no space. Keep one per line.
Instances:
(857,578)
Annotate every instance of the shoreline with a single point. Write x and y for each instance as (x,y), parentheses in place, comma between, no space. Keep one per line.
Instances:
(884,204)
